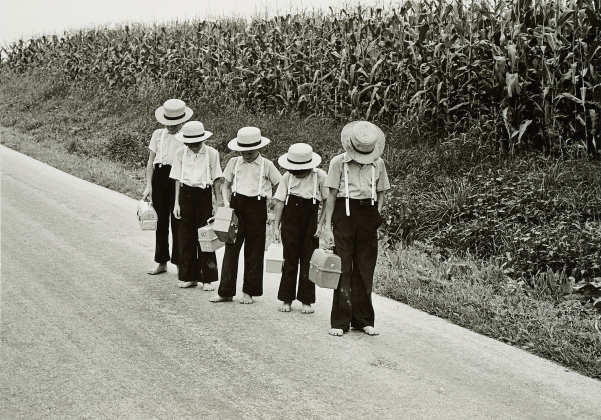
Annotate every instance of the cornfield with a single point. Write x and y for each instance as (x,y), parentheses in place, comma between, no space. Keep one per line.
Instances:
(517,73)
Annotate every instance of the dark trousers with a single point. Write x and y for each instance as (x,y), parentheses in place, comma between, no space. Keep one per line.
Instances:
(163,200)
(356,239)
(252,225)
(196,207)
(299,223)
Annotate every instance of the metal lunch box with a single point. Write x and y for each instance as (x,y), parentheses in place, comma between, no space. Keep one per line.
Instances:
(226,224)
(147,216)
(325,269)
(274,258)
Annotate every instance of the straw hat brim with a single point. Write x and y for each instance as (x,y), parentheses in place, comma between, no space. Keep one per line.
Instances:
(160,116)
(180,136)
(286,164)
(362,158)
(233,145)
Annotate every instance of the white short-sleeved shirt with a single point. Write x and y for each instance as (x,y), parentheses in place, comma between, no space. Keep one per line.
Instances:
(302,187)
(359,177)
(195,172)
(164,145)
(246,180)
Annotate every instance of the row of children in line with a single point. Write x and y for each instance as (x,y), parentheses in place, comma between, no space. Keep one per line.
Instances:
(181,182)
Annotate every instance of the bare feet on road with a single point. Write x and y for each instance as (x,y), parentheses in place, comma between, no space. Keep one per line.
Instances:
(159,269)
(220,299)
(187,284)
(285,307)
(336,332)
(307,309)
(208,287)
(246,299)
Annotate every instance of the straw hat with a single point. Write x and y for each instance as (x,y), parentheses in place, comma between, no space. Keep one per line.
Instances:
(193,132)
(300,156)
(173,112)
(248,138)
(363,141)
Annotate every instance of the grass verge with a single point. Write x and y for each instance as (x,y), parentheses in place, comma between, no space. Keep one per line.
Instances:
(102,137)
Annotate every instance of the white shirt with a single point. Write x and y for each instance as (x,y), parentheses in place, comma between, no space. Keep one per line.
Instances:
(191,168)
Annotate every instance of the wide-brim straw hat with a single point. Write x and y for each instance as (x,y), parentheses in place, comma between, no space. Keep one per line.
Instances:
(248,138)
(193,132)
(300,156)
(173,112)
(363,141)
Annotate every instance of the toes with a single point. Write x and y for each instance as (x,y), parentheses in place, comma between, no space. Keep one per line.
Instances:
(207,287)
(186,284)
(336,332)
(370,331)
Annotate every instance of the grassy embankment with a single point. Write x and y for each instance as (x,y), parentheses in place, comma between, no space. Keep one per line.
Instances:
(470,228)
(73,130)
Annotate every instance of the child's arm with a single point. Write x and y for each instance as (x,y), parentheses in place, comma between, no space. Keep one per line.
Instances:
(320,222)
(149,174)
(328,236)
(217,185)
(176,209)
(226,191)
(279,208)
(381,200)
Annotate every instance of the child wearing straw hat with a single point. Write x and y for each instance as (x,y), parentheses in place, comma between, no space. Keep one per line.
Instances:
(357,181)
(196,169)
(297,206)
(160,188)
(248,183)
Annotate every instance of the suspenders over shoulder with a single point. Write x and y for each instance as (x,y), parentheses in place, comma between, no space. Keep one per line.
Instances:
(314,186)
(208,165)
(160,147)
(235,181)
(373,186)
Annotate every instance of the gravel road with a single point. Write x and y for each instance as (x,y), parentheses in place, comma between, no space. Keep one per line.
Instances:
(86,334)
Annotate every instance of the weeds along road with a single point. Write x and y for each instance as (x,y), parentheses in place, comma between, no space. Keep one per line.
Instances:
(87,334)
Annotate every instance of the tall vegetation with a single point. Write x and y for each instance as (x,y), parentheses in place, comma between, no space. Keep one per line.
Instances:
(514,73)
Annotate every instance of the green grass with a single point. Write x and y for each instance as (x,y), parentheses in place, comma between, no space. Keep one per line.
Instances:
(103,137)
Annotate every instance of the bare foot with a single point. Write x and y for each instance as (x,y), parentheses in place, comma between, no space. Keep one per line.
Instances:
(220,299)
(208,287)
(336,331)
(186,284)
(161,268)
(246,298)
(285,307)
(370,330)
(307,309)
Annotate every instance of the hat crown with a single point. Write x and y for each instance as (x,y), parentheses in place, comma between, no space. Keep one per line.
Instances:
(364,136)
(193,129)
(174,109)
(300,153)
(248,136)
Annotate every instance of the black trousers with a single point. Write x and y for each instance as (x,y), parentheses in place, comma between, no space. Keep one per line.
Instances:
(356,239)
(299,223)
(196,207)
(252,225)
(163,200)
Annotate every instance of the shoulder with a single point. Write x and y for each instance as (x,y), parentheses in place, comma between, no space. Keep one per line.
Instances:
(321,174)
(211,150)
(157,132)
(337,159)
(380,164)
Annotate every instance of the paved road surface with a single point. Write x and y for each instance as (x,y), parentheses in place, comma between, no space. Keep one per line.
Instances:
(87,335)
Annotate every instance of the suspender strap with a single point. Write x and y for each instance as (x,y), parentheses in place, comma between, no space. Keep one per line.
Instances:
(208,162)
(314,185)
(260,179)
(373,183)
(289,188)
(234,187)
(185,150)
(161,147)
(348,206)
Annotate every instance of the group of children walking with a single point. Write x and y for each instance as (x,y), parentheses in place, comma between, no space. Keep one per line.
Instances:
(181,182)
